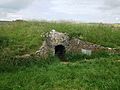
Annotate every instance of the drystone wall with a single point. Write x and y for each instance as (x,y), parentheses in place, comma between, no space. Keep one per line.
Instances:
(74,45)
(53,39)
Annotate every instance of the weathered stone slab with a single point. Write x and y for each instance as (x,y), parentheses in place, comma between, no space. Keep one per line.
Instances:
(87,52)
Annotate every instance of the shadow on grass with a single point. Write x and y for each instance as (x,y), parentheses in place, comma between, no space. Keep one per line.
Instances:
(12,64)
(72,57)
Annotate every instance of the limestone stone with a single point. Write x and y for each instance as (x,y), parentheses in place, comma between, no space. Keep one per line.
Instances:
(87,52)
(53,39)
(57,40)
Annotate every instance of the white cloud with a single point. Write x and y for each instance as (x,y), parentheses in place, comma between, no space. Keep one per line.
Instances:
(12,6)
(82,10)
(75,6)
(111,4)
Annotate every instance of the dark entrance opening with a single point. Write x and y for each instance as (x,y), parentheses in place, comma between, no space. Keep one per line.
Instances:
(60,52)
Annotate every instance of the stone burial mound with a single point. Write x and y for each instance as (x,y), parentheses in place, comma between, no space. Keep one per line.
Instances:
(57,43)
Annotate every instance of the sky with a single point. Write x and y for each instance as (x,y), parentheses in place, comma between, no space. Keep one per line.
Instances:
(106,11)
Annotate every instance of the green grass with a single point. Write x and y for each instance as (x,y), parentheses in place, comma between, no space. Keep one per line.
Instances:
(95,74)
(100,71)
(25,37)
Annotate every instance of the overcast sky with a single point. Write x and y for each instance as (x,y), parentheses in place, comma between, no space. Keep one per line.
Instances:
(79,10)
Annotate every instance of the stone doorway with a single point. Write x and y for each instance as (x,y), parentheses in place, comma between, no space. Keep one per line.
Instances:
(60,52)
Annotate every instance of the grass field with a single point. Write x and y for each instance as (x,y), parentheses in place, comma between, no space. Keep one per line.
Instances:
(99,72)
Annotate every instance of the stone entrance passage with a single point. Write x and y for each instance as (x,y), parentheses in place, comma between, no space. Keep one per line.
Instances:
(60,52)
